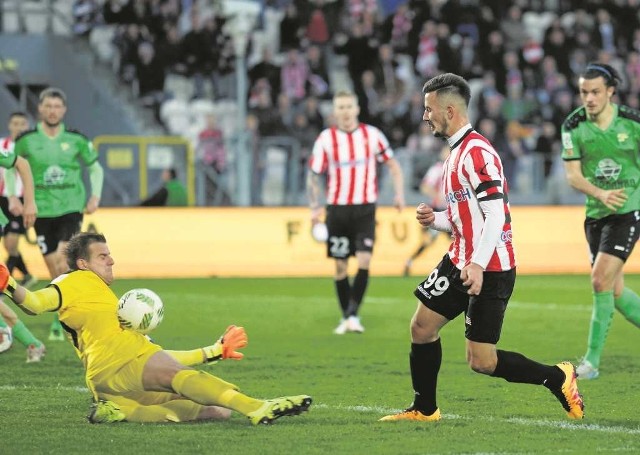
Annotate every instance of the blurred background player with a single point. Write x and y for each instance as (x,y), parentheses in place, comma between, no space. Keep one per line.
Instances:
(9,159)
(172,193)
(18,123)
(130,377)
(601,152)
(348,154)
(430,186)
(54,152)
(17,330)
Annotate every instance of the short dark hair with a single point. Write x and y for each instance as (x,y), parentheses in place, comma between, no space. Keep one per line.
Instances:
(607,72)
(18,114)
(448,83)
(53,92)
(172,173)
(78,247)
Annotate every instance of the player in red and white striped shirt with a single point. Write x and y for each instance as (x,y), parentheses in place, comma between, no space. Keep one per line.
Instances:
(18,123)
(476,277)
(348,154)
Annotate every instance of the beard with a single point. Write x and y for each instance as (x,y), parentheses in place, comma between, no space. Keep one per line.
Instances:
(438,134)
(51,124)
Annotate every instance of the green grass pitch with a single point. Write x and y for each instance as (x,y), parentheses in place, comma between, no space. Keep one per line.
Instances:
(354,379)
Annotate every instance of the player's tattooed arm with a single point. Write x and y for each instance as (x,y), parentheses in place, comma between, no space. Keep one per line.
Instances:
(314,189)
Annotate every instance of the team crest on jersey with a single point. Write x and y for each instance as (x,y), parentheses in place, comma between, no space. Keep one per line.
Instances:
(622,137)
(608,170)
(64,146)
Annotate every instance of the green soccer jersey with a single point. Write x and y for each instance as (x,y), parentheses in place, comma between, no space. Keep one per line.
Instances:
(56,165)
(610,159)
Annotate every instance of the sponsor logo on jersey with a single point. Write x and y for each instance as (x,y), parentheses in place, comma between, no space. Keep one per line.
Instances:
(54,175)
(458,195)
(608,170)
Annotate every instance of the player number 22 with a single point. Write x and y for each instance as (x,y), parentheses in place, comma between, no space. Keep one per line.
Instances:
(339,246)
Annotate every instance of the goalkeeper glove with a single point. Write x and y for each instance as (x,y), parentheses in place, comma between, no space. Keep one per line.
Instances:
(7,282)
(225,348)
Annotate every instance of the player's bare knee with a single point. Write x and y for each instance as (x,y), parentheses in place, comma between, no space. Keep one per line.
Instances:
(482,366)
(421,333)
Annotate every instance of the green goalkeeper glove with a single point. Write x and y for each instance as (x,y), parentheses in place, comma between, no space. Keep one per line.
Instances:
(225,348)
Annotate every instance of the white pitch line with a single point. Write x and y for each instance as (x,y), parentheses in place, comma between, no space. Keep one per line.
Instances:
(384,411)
(516,420)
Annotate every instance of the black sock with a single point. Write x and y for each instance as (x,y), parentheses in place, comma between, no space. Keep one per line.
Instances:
(418,252)
(515,367)
(425,360)
(12,261)
(343,289)
(20,265)
(360,283)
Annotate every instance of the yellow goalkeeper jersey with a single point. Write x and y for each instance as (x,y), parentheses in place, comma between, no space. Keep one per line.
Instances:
(88,311)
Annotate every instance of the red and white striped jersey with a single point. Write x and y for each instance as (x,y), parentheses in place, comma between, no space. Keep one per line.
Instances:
(6,146)
(472,174)
(350,161)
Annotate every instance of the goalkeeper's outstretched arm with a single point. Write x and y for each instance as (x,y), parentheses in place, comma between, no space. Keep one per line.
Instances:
(225,348)
(32,303)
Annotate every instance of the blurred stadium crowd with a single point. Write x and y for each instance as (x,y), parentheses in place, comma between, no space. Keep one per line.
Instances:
(521,57)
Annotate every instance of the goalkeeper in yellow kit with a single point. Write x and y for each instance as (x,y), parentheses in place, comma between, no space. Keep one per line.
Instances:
(130,377)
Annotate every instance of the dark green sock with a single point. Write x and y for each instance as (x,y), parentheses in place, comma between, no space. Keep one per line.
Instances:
(601,317)
(629,305)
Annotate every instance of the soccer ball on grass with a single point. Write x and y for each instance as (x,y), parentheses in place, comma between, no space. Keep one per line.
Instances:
(6,338)
(140,310)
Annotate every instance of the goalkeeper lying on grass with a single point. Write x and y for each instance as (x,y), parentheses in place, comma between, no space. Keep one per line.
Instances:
(130,377)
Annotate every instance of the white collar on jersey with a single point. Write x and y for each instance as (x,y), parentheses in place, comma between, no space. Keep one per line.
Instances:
(454,139)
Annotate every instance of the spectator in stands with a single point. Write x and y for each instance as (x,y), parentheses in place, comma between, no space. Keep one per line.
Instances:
(369,99)
(266,71)
(127,42)
(269,122)
(291,28)
(86,13)
(150,74)
(294,75)
(118,12)
(211,149)
(511,147)
(173,193)
(515,33)
(426,54)
(317,30)
(170,52)
(194,54)
(386,72)
(311,109)
(547,146)
(318,79)
(360,51)
(397,28)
